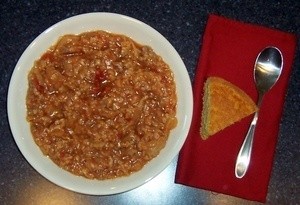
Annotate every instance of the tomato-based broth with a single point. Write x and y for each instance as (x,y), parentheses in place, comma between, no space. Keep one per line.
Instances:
(101,105)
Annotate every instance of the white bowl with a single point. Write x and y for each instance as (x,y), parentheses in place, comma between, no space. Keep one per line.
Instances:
(141,33)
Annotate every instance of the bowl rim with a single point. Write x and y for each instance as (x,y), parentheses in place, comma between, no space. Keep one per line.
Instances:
(110,22)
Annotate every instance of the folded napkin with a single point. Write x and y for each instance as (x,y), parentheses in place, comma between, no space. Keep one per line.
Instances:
(229,51)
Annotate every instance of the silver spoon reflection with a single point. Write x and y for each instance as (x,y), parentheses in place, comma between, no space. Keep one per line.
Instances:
(267,70)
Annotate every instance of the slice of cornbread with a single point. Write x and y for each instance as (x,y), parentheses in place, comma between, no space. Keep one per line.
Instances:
(223,105)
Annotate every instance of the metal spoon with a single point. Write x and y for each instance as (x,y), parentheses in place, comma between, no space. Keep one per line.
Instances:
(267,69)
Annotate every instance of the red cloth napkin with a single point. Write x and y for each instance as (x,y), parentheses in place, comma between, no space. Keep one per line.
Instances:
(229,51)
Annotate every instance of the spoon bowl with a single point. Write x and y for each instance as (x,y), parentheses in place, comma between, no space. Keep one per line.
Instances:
(267,70)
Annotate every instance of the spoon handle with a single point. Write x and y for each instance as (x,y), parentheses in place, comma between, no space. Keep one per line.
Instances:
(244,155)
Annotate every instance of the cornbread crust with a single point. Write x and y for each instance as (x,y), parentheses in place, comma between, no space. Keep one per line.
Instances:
(223,104)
